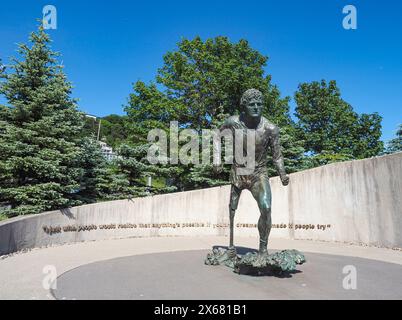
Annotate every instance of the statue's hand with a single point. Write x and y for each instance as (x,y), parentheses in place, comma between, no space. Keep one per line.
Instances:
(217,168)
(285,180)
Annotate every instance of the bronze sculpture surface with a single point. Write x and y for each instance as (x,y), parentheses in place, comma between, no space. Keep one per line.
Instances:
(266,139)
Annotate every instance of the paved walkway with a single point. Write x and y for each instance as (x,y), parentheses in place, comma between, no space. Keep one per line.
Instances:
(22,275)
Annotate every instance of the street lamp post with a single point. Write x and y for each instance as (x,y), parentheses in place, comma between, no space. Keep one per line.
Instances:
(99,126)
(100,120)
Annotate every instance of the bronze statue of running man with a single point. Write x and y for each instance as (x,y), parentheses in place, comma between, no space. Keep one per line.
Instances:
(266,140)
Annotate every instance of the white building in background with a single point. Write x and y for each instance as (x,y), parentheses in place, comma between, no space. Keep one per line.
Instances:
(107,151)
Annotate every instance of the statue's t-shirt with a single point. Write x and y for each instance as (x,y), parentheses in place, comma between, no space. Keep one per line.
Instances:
(266,140)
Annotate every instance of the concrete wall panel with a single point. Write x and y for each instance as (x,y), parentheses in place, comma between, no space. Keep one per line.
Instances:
(355,201)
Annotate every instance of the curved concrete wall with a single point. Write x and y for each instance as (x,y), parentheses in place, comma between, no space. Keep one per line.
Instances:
(355,201)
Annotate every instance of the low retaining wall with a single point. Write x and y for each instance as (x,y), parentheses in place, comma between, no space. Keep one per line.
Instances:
(355,201)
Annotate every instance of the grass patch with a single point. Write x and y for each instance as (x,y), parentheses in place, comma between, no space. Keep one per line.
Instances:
(3,217)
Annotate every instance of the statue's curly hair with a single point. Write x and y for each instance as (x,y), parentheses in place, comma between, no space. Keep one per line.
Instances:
(248,96)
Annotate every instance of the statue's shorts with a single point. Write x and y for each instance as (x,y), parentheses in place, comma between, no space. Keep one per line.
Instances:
(257,183)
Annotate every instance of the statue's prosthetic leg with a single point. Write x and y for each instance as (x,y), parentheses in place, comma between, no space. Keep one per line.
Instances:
(232,248)
(234,202)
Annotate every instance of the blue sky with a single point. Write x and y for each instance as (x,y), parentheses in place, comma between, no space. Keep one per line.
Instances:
(108,45)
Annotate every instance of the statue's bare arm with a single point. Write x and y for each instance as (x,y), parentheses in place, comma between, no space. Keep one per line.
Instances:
(277,156)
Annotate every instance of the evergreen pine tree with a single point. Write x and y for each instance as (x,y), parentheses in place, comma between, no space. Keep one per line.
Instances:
(102,180)
(39,132)
(133,163)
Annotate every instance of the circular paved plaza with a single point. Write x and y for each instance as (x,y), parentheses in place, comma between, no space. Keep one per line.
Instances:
(182,275)
(173,268)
